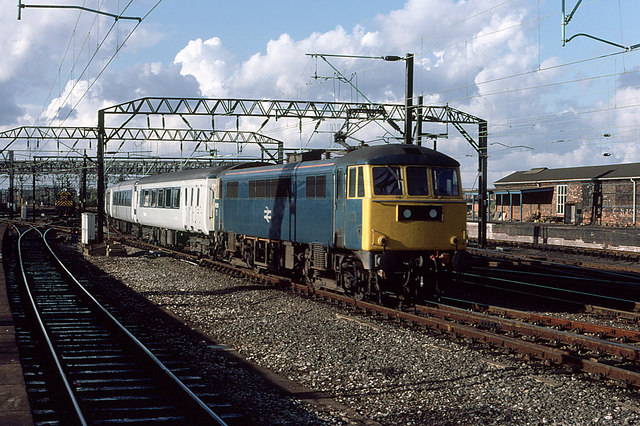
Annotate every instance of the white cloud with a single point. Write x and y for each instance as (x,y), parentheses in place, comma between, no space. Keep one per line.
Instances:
(209,62)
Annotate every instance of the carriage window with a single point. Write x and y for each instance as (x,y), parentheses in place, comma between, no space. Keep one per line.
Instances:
(445,182)
(122,198)
(339,185)
(176,198)
(191,197)
(316,186)
(198,197)
(232,189)
(417,181)
(387,180)
(147,198)
(160,197)
(154,197)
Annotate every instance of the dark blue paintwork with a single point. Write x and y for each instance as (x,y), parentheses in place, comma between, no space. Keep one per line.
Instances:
(293,218)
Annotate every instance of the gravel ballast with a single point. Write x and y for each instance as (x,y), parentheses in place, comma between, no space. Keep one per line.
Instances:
(377,371)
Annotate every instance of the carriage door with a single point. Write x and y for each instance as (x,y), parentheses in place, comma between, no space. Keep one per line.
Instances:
(338,206)
(134,203)
(215,214)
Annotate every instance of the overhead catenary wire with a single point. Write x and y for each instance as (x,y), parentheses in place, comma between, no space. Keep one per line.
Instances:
(107,63)
(104,39)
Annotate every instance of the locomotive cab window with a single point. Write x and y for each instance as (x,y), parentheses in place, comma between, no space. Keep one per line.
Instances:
(417,181)
(356,182)
(387,180)
(445,182)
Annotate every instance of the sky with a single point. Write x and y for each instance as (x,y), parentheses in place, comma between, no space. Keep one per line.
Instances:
(547,105)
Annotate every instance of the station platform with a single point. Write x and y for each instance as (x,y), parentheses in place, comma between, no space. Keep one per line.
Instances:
(14,403)
(552,234)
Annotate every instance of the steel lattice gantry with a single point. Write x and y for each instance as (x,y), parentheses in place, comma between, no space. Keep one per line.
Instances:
(350,112)
(77,159)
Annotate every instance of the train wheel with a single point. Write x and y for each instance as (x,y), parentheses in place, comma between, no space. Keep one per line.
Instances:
(351,279)
(247,255)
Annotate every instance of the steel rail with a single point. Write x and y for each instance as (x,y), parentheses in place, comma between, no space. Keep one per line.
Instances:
(449,326)
(497,280)
(538,351)
(569,324)
(485,321)
(69,394)
(191,399)
(195,407)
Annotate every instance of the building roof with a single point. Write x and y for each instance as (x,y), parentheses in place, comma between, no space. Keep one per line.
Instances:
(572,174)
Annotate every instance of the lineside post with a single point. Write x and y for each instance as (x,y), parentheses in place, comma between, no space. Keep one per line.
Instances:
(11,177)
(408,100)
(100,173)
(483,204)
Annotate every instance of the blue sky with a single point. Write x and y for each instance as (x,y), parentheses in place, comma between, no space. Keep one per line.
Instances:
(502,60)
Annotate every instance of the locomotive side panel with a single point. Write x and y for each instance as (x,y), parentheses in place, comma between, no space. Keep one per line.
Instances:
(314,204)
(257,204)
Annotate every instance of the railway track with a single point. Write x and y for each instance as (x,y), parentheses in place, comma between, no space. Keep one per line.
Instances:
(613,293)
(603,352)
(602,358)
(83,367)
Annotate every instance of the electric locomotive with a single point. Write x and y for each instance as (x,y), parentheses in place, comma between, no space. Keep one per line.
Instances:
(387,218)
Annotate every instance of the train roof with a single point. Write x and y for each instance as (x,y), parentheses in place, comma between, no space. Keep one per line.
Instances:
(396,154)
(129,182)
(192,174)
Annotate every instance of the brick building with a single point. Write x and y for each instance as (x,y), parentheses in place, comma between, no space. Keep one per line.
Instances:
(594,195)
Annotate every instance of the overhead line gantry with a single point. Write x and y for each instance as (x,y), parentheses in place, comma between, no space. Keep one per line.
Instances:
(350,112)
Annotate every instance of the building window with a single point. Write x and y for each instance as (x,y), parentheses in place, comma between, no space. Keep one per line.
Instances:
(561,191)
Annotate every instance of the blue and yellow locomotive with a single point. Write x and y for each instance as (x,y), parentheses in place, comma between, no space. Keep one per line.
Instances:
(377,219)
(380,218)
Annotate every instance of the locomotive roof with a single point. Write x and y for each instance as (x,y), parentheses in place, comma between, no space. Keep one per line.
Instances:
(397,154)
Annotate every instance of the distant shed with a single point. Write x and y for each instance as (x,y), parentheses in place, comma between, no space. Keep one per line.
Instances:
(596,195)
